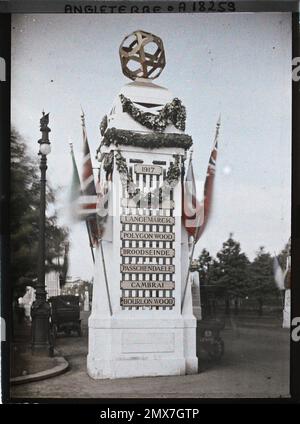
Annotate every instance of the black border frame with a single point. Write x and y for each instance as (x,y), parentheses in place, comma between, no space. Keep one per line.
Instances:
(5,118)
(295,213)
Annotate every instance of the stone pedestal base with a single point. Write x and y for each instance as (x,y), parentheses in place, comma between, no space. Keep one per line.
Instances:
(135,347)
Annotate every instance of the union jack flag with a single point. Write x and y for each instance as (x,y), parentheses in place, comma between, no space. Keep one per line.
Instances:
(209,184)
(191,207)
(195,214)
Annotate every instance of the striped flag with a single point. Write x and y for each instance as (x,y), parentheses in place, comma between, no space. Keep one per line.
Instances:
(103,189)
(75,191)
(191,207)
(88,198)
(209,184)
(195,214)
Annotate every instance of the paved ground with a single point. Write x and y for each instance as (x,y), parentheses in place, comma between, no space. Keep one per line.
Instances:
(256,364)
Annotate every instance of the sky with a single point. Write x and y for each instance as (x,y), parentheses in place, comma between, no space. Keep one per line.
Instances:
(238,66)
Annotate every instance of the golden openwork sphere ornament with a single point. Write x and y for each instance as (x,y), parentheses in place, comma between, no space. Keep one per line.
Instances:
(142,55)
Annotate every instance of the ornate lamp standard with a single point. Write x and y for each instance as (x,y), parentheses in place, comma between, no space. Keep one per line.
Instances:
(40,310)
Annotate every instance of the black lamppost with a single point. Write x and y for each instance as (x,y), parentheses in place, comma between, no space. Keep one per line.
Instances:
(40,310)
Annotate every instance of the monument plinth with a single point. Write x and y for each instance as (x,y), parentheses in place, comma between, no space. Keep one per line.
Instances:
(138,325)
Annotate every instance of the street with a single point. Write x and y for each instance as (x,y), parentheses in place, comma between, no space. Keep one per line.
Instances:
(255,364)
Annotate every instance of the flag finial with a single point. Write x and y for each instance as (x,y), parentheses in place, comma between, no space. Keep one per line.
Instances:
(217,131)
(191,153)
(218,124)
(82,116)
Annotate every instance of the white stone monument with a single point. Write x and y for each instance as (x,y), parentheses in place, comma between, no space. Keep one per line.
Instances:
(138,325)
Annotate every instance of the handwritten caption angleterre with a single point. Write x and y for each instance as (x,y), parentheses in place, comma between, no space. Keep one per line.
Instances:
(154,7)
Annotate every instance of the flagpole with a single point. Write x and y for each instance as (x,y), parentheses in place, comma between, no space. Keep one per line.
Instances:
(195,237)
(103,263)
(105,276)
(100,240)
(82,117)
(90,240)
(188,273)
(191,255)
(86,221)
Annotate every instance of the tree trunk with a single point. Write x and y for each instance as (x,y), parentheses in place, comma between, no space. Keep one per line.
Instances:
(236,306)
(260,307)
(227,306)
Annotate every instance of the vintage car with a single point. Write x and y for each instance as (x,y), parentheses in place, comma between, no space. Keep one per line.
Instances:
(209,338)
(212,323)
(65,314)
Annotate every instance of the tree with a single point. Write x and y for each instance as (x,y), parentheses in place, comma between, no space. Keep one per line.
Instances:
(204,261)
(262,284)
(231,272)
(24,212)
(209,291)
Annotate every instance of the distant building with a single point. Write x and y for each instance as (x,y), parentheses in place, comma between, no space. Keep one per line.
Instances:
(77,287)
(52,281)
(71,283)
(55,278)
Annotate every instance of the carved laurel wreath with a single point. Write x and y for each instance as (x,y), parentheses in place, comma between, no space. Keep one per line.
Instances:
(108,162)
(103,125)
(146,141)
(172,176)
(172,113)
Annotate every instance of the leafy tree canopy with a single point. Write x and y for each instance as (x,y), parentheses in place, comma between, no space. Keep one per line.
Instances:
(204,261)
(262,283)
(231,268)
(24,213)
